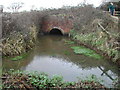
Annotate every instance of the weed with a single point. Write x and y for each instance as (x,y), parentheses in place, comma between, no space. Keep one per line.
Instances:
(100,42)
(86,51)
(91,78)
(69,42)
(66,52)
(17,79)
(19,57)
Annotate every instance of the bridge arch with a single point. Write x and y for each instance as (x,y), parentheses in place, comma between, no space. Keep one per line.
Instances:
(56,31)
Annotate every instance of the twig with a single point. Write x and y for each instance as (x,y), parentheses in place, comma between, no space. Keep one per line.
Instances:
(5,77)
(27,86)
(104,30)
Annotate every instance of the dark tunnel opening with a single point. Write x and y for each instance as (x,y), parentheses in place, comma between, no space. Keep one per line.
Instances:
(55,32)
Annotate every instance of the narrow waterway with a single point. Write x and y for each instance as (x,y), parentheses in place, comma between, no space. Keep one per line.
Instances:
(54,57)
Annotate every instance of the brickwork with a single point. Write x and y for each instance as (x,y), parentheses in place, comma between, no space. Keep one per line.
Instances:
(64,24)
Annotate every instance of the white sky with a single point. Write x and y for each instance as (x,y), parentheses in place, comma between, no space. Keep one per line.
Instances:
(48,3)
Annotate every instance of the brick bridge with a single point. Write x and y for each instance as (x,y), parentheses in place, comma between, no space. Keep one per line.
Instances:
(57,24)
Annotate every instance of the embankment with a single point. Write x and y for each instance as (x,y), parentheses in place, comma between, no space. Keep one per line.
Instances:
(19,32)
(99,31)
(91,26)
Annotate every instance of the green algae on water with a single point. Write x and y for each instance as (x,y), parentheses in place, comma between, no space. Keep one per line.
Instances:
(69,42)
(19,57)
(86,51)
(66,52)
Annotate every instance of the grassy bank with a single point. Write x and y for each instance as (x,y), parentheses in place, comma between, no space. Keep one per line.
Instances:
(107,46)
(19,79)
(17,42)
(85,22)
(20,31)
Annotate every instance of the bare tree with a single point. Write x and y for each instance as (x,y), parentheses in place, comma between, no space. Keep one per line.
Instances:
(14,7)
(32,7)
(83,3)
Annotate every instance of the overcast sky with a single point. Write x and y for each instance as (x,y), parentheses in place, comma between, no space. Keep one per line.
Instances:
(48,3)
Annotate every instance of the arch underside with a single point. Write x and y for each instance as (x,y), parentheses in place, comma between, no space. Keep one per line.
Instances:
(56,31)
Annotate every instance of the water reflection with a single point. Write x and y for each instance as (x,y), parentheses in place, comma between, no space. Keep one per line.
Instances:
(49,56)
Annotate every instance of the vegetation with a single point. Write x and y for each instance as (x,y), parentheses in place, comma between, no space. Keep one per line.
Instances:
(81,49)
(0,77)
(85,20)
(86,51)
(100,41)
(69,42)
(67,53)
(20,32)
(12,46)
(91,78)
(19,57)
(20,79)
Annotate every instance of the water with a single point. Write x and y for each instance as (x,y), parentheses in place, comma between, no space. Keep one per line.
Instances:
(52,56)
